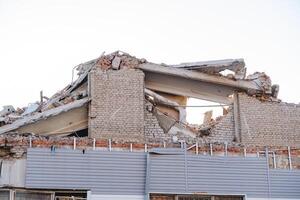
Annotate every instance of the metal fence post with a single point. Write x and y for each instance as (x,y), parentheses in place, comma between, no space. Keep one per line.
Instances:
(290,158)
(109,144)
(274,160)
(225,147)
(74,143)
(30,141)
(94,143)
(268,172)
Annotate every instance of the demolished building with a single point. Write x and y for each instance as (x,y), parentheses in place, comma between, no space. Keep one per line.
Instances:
(119,131)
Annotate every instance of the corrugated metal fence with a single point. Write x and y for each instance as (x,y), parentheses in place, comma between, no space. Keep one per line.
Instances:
(137,173)
(206,174)
(100,171)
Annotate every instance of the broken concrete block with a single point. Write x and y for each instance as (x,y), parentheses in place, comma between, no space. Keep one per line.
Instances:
(32,107)
(7,110)
(207,117)
(116,63)
(275,90)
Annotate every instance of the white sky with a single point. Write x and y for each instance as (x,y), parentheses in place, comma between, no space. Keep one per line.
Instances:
(41,41)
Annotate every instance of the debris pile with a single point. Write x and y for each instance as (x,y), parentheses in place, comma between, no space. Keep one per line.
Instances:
(118,60)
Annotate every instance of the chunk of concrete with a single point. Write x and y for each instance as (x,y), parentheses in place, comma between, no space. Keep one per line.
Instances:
(116,63)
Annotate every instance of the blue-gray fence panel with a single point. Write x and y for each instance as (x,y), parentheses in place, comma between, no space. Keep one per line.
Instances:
(102,172)
(208,174)
(167,174)
(227,175)
(124,173)
(285,183)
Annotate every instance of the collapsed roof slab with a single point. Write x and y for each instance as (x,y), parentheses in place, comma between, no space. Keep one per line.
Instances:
(77,122)
(193,84)
(187,87)
(62,124)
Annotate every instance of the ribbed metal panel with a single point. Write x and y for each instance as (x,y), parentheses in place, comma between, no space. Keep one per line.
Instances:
(227,175)
(167,174)
(102,172)
(285,183)
(124,173)
(208,174)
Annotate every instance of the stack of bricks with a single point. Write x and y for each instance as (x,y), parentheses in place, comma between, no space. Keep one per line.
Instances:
(117,105)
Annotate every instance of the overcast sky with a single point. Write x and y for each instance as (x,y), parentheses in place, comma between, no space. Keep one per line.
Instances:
(41,41)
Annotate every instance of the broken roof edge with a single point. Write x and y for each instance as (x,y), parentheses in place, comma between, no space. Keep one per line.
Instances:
(43,115)
(239,63)
(200,76)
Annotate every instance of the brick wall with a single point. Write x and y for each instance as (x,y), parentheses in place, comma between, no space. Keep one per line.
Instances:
(153,131)
(117,105)
(118,111)
(223,131)
(269,123)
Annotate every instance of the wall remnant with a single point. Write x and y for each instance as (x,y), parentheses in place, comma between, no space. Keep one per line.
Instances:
(117,104)
(269,123)
(153,131)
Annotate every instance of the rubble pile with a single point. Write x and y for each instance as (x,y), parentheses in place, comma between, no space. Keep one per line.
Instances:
(118,60)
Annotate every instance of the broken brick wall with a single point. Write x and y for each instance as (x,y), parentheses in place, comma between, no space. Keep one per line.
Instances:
(223,130)
(117,105)
(269,123)
(153,131)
